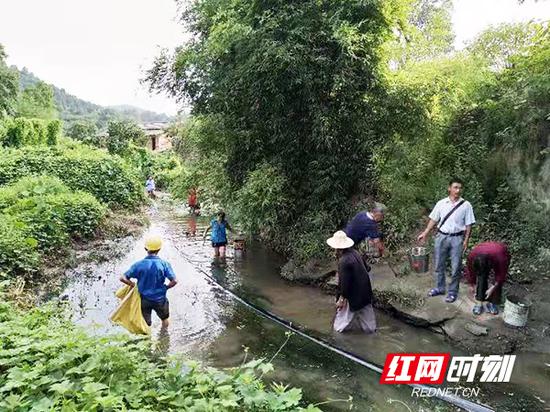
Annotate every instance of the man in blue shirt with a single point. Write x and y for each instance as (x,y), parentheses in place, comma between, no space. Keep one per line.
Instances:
(364,226)
(151,274)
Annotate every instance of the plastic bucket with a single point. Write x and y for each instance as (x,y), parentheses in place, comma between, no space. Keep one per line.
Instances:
(419,259)
(238,247)
(238,244)
(516,311)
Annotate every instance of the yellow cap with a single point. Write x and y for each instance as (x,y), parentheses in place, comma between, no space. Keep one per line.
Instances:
(153,243)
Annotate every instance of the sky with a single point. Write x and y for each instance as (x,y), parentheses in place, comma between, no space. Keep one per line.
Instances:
(98,49)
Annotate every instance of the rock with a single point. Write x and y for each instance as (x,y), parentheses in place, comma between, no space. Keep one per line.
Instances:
(314,271)
(475,329)
(333,281)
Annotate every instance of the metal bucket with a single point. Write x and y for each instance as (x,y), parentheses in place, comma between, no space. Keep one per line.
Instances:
(419,259)
(516,311)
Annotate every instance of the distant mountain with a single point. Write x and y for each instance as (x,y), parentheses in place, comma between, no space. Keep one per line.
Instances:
(71,108)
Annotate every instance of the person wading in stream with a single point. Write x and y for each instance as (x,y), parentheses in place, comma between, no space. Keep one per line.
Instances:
(364,226)
(150,187)
(354,301)
(151,274)
(487,262)
(219,228)
(454,218)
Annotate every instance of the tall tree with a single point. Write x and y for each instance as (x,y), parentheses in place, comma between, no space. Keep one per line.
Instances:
(427,33)
(121,134)
(9,86)
(37,101)
(292,85)
(498,44)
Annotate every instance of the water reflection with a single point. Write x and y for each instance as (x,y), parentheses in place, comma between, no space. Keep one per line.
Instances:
(208,324)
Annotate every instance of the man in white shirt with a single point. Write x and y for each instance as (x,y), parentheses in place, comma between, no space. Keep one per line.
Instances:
(454,218)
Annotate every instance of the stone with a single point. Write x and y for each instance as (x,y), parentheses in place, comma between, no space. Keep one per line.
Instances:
(476,330)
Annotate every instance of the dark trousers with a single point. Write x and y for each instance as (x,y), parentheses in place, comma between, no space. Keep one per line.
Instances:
(481,288)
(162,309)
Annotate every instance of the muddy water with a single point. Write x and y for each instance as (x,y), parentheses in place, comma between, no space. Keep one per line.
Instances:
(209,325)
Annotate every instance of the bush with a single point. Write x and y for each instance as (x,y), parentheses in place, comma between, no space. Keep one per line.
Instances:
(53,131)
(80,211)
(21,131)
(164,167)
(80,167)
(122,133)
(84,131)
(63,368)
(29,187)
(262,200)
(52,219)
(18,251)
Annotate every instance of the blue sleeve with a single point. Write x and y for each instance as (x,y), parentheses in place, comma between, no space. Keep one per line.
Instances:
(132,272)
(373,232)
(169,271)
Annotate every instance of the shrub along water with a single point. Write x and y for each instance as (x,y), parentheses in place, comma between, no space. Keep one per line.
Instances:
(80,167)
(42,212)
(48,363)
(165,167)
(18,250)
(53,219)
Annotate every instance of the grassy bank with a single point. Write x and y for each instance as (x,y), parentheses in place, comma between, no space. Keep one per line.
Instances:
(47,363)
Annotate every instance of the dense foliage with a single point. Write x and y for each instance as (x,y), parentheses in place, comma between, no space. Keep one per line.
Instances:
(19,254)
(37,101)
(486,120)
(165,166)
(122,133)
(303,113)
(50,364)
(42,214)
(9,86)
(84,131)
(106,177)
(21,131)
(282,86)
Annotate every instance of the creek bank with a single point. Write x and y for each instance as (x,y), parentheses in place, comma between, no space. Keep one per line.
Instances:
(404,297)
(112,239)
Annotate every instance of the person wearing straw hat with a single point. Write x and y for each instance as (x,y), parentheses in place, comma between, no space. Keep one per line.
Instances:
(151,274)
(354,309)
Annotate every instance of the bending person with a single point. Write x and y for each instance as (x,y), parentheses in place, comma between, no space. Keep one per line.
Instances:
(487,263)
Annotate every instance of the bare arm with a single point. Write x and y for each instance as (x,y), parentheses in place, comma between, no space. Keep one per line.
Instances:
(228,226)
(424,235)
(379,245)
(171,284)
(467,232)
(206,231)
(127,281)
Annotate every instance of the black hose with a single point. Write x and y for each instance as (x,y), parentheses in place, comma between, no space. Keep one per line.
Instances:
(454,400)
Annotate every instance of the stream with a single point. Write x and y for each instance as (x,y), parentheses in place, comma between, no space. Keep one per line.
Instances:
(209,325)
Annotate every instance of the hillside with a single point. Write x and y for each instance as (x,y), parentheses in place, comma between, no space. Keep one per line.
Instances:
(72,108)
